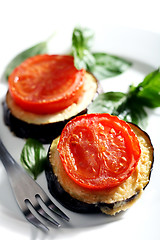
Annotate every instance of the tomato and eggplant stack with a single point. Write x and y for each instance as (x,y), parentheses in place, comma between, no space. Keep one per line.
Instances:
(45,92)
(99,164)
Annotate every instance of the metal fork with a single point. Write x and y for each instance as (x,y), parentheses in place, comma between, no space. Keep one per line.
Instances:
(32,200)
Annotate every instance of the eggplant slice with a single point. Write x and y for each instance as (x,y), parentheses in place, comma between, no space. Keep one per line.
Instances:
(47,127)
(78,199)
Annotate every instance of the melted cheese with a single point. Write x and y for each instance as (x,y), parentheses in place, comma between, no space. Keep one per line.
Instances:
(133,186)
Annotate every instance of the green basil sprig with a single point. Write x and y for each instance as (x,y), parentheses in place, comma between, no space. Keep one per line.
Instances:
(102,65)
(39,48)
(33,157)
(81,45)
(130,106)
(148,91)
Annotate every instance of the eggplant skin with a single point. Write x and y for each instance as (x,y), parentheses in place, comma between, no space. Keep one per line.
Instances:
(64,198)
(75,205)
(71,203)
(45,133)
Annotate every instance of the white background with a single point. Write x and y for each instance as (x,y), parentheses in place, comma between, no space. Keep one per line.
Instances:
(25,23)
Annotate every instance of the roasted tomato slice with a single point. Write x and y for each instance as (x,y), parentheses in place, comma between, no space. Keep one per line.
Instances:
(46,83)
(98,151)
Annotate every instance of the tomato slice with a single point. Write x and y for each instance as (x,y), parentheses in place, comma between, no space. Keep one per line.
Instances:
(98,151)
(46,83)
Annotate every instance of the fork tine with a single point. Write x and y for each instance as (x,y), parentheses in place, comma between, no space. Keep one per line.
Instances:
(53,208)
(32,219)
(39,210)
(44,215)
(56,210)
(26,190)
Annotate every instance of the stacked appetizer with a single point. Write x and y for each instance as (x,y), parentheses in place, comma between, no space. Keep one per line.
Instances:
(46,91)
(99,163)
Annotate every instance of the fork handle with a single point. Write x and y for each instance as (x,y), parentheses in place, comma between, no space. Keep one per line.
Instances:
(7,160)
(13,169)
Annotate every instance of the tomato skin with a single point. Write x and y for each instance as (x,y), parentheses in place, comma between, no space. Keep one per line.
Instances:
(98,151)
(46,83)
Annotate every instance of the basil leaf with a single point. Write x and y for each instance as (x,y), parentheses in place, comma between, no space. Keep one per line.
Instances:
(81,43)
(131,106)
(107,102)
(133,111)
(148,91)
(102,65)
(39,48)
(108,65)
(33,157)
(125,106)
